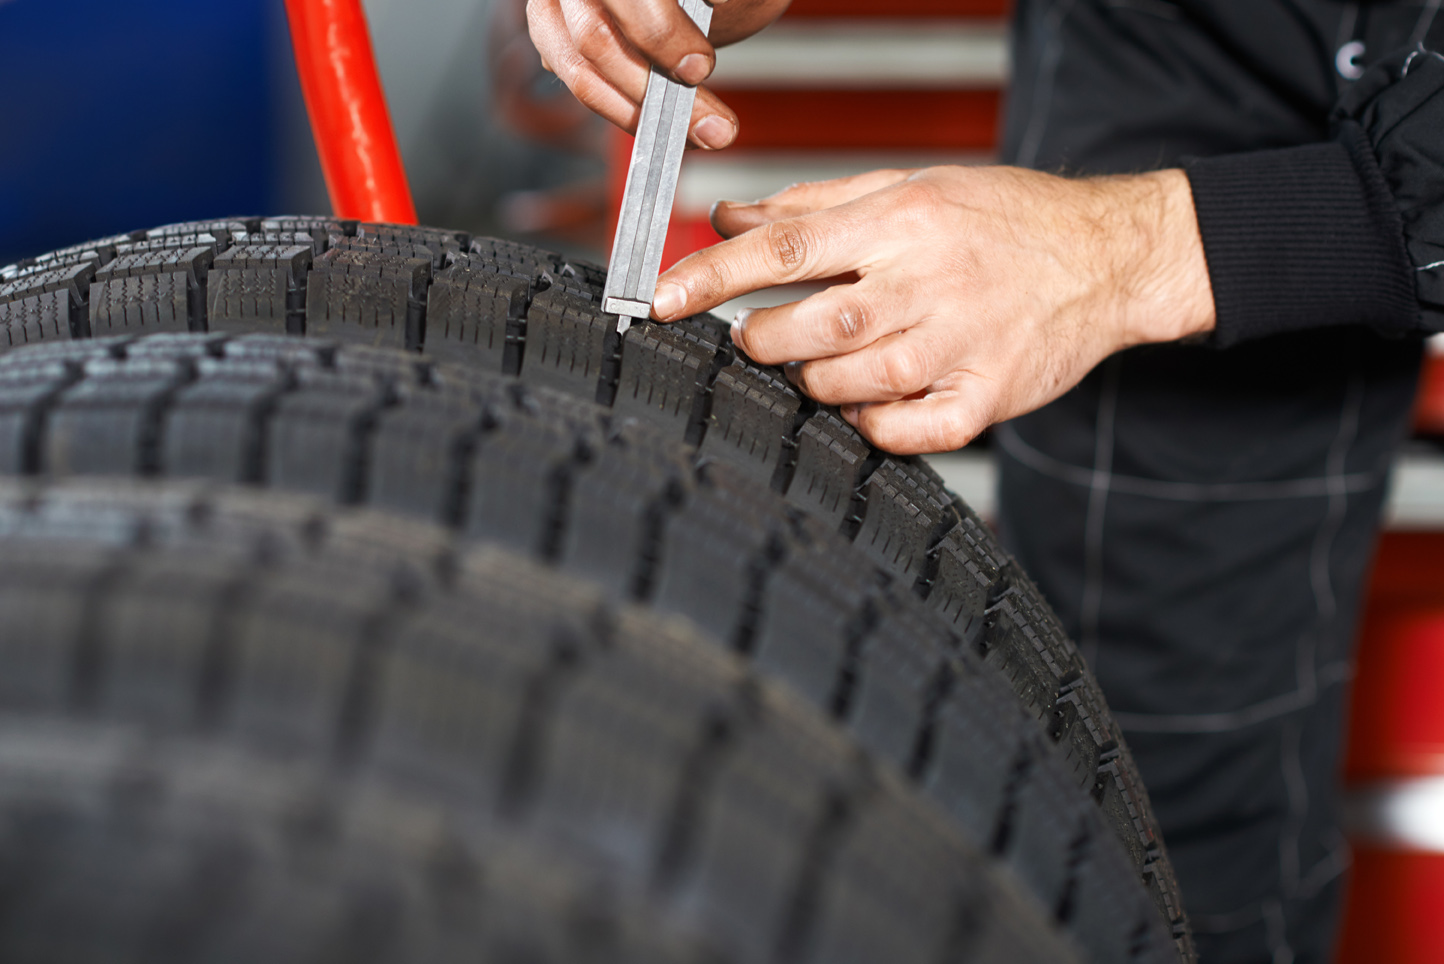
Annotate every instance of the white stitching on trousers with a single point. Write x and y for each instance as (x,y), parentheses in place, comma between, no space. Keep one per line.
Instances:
(1091,606)
(1226,720)
(1011,442)
(1043,86)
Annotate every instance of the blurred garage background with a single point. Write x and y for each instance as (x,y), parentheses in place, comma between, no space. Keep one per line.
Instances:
(126,115)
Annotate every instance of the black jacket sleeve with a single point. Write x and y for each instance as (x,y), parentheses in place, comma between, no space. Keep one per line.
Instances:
(1346,232)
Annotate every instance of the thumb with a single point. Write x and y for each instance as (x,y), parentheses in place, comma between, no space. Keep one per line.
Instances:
(731,218)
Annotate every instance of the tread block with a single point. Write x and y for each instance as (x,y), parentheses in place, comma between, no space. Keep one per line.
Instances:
(967,573)
(522,260)
(514,478)
(564,337)
(975,745)
(1047,820)
(412,453)
(396,238)
(1011,644)
(1107,908)
(368,294)
(613,763)
(48,305)
(222,229)
(37,592)
(319,228)
(430,728)
(258,288)
(313,444)
(150,676)
(618,500)
(902,520)
(753,413)
(706,563)
(169,242)
(830,461)
(753,842)
(806,615)
(24,393)
(468,307)
(898,663)
(95,252)
(290,650)
(284,239)
(150,291)
(109,423)
(665,369)
(214,426)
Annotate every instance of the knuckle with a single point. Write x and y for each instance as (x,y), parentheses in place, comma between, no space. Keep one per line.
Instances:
(904,370)
(916,200)
(852,322)
(651,32)
(787,246)
(597,37)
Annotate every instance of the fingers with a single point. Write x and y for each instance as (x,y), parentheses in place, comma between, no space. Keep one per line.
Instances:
(732,218)
(666,36)
(941,421)
(821,245)
(841,319)
(553,40)
(891,368)
(583,44)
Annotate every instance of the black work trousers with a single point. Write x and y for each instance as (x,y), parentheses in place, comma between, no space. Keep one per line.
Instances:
(1203,522)
(1203,519)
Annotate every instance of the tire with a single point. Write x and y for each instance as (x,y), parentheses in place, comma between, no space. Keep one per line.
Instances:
(498,307)
(246,727)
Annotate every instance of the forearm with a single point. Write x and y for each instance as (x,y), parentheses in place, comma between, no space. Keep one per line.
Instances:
(734,20)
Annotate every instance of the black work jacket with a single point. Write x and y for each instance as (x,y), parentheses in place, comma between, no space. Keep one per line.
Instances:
(1312,132)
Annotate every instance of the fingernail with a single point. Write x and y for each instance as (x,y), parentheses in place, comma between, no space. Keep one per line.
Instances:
(669,300)
(849,413)
(714,131)
(793,371)
(739,322)
(693,69)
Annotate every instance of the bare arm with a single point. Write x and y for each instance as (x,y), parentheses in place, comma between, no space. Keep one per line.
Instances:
(603,50)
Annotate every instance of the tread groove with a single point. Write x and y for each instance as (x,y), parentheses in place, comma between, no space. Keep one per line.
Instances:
(759,573)
(857,508)
(695,779)
(844,688)
(37,419)
(924,748)
(1003,827)
(1078,849)
(611,367)
(524,759)
(215,682)
(559,484)
(838,815)
(701,417)
(786,469)
(654,530)
(87,669)
(355,479)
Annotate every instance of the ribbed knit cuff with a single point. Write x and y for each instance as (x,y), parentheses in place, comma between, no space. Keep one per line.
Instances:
(1302,237)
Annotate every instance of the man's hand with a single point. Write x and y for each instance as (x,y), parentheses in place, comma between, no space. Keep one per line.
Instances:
(982,293)
(604,49)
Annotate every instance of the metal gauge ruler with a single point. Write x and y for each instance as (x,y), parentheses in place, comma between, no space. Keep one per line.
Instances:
(651,187)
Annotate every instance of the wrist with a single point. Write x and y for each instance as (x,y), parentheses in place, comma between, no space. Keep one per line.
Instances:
(1167,295)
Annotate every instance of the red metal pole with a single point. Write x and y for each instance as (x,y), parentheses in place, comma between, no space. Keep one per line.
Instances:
(349,120)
